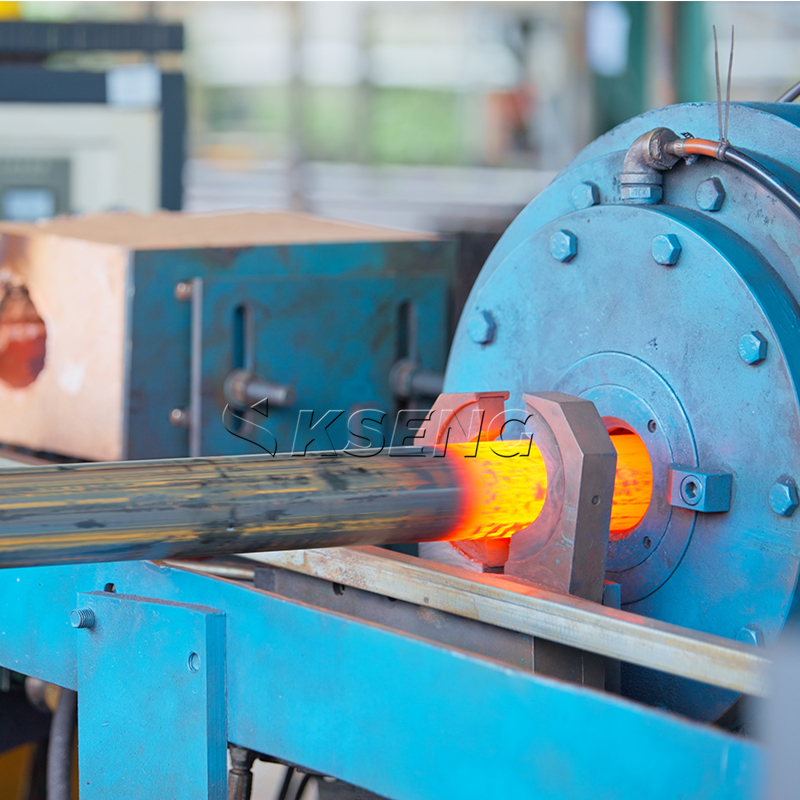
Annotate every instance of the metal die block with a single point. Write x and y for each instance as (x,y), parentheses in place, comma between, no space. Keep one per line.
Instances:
(699,491)
(565,548)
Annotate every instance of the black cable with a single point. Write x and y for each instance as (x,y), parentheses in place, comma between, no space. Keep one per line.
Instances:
(790,94)
(59,750)
(302,787)
(287,782)
(764,177)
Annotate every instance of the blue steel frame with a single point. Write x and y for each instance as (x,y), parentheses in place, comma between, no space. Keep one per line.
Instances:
(178,663)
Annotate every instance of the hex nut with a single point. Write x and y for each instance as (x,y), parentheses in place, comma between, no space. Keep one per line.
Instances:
(585,195)
(783,499)
(482,327)
(666,249)
(752,347)
(710,195)
(563,246)
(642,194)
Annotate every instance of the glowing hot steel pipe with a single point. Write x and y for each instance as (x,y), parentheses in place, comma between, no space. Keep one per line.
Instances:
(506,489)
(202,507)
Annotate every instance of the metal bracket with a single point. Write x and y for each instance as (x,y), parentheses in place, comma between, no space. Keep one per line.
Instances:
(151,699)
(196,371)
(698,490)
(565,548)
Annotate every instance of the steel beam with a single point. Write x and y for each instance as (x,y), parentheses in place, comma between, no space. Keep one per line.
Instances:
(521,607)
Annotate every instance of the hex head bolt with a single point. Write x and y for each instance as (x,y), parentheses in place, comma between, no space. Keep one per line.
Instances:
(482,327)
(783,498)
(751,635)
(710,195)
(752,348)
(585,195)
(563,246)
(666,249)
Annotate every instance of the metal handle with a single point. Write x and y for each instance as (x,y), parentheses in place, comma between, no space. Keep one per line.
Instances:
(408,379)
(244,390)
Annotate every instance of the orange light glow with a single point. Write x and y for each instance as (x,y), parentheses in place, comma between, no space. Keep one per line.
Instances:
(506,490)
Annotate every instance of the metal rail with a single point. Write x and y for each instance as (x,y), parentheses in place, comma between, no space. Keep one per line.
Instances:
(518,606)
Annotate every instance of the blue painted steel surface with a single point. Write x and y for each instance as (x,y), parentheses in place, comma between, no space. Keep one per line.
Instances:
(151,700)
(392,713)
(295,330)
(332,338)
(656,347)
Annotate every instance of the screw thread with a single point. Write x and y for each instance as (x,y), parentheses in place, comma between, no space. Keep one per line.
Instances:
(82,618)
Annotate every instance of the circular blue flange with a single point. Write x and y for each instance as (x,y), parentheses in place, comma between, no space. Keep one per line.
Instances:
(655,344)
(618,384)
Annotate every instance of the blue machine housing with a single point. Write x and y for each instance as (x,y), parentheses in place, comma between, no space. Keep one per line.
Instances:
(329,320)
(654,342)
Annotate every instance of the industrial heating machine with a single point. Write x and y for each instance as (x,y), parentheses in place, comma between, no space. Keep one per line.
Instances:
(604,495)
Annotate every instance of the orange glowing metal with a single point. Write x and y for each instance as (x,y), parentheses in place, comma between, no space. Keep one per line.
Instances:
(506,485)
(633,484)
(504,493)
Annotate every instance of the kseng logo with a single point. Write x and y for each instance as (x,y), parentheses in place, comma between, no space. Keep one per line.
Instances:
(414,432)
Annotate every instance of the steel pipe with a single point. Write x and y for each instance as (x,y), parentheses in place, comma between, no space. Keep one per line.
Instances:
(211,506)
(74,513)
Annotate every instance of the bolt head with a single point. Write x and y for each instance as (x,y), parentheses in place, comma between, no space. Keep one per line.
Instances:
(692,490)
(184,290)
(564,246)
(753,347)
(710,195)
(482,327)
(783,498)
(666,249)
(585,195)
(751,635)
(179,417)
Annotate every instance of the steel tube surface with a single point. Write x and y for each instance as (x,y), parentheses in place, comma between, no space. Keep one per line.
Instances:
(197,507)
(213,506)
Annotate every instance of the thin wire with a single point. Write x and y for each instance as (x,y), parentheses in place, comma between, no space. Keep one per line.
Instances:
(790,94)
(287,782)
(719,88)
(302,787)
(728,98)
